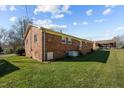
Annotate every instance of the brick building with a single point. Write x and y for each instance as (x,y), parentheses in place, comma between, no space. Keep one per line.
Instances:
(45,44)
(106,44)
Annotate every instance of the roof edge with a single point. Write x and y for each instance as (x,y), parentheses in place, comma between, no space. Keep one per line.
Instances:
(28,28)
(39,27)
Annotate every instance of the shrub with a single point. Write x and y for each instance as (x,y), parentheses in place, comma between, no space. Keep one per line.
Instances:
(20,51)
(92,50)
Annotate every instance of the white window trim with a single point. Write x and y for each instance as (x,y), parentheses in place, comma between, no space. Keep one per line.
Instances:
(63,40)
(70,41)
(80,44)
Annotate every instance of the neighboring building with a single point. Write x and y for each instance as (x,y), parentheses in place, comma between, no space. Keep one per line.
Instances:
(44,44)
(106,44)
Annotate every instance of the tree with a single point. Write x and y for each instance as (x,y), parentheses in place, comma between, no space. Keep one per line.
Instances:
(120,41)
(16,32)
(19,27)
(3,38)
(13,38)
(1,50)
(13,41)
(3,35)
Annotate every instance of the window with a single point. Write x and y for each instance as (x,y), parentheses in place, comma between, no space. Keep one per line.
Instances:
(26,41)
(63,40)
(69,41)
(35,38)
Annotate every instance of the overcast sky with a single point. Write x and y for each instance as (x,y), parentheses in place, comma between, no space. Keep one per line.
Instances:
(89,22)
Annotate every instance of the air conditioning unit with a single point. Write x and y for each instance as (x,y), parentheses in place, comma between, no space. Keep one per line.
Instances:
(73,53)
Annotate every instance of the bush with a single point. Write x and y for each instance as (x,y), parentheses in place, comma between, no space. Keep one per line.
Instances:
(20,51)
(92,50)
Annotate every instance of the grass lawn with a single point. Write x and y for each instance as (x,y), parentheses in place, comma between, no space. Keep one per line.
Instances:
(98,69)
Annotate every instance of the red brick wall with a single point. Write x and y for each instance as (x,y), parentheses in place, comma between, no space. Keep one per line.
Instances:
(34,49)
(54,44)
(86,47)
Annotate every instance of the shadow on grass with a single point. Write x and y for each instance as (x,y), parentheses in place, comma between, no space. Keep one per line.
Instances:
(6,67)
(97,56)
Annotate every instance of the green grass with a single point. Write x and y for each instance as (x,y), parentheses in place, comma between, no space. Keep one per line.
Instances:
(98,69)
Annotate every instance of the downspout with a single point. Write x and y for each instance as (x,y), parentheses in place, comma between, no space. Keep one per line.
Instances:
(44,45)
(31,43)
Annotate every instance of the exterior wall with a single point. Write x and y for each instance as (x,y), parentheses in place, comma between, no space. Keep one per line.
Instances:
(34,49)
(54,44)
(86,47)
(95,46)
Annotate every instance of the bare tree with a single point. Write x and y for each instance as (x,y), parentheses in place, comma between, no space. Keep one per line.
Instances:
(15,34)
(19,27)
(3,35)
(3,38)
(13,38)
(120,41)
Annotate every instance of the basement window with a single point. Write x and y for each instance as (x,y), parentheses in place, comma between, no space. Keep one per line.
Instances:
(63,40)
